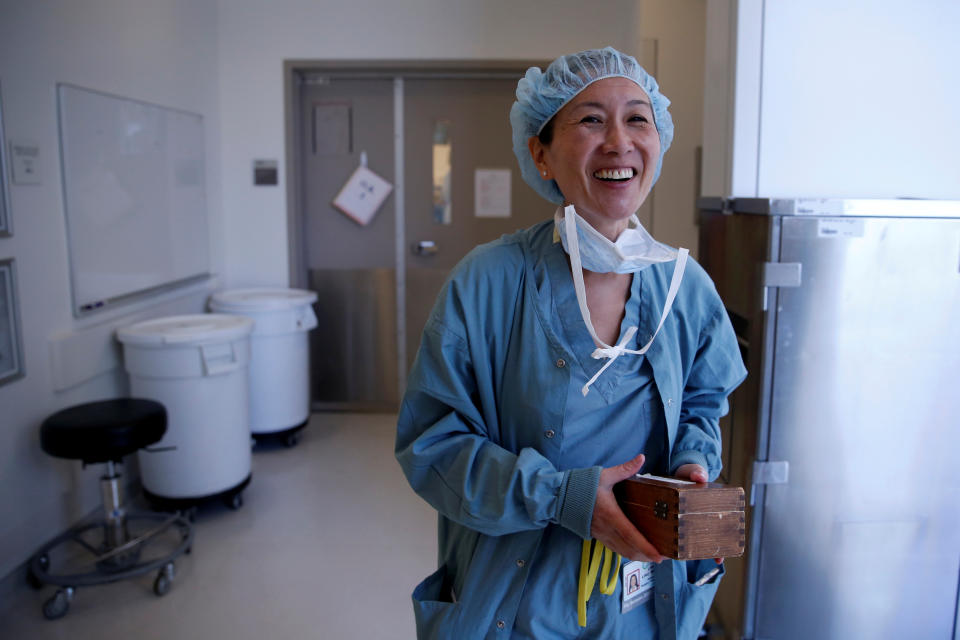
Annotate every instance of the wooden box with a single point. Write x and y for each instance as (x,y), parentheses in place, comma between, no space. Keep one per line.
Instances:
(685,520)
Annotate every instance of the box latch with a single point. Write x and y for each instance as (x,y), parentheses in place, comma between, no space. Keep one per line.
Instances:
(661,509)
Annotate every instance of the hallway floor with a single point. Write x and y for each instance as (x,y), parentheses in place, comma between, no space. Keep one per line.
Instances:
(329,543)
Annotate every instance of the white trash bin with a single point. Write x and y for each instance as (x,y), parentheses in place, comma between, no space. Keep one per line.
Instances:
(279,356)
(197,367)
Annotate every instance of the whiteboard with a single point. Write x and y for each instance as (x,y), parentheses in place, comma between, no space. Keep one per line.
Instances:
(134,194)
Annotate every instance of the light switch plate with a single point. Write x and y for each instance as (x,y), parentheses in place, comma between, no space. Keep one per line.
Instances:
(25,162)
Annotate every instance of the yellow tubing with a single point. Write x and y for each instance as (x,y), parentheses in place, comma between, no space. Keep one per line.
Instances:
(582,594)
(589,567)
(608,583)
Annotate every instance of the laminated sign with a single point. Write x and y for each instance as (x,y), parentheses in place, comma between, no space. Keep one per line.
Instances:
(361,197)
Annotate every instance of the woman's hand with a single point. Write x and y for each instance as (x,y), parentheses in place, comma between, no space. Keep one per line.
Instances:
(693,472)
(610,526)
(696,473)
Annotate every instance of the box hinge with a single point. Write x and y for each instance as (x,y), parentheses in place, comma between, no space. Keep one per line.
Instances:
(780,274)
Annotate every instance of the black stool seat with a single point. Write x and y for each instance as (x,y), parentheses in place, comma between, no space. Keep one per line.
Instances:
(103,431)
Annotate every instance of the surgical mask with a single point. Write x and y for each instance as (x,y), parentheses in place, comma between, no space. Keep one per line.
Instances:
(634,250)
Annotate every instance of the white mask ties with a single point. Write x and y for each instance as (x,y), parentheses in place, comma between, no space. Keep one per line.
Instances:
(609,352)
(603,349)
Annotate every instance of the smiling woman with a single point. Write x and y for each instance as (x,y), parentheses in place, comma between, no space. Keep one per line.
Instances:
(557,362)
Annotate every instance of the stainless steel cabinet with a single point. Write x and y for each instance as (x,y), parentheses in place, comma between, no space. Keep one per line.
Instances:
(847,430)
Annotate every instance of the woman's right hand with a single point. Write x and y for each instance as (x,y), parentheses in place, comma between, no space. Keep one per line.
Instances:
(610,526)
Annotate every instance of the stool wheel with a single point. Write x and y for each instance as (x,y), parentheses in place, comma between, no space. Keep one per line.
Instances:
(161,586)
(58,605)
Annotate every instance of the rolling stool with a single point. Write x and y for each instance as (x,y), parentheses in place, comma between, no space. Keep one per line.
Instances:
(104,432)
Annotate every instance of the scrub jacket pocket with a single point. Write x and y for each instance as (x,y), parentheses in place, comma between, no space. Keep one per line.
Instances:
(695,600)
(432,606)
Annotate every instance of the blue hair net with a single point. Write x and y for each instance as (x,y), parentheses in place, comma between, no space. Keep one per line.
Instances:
(540,95)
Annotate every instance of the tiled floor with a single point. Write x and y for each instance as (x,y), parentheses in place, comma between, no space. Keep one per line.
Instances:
(329,544)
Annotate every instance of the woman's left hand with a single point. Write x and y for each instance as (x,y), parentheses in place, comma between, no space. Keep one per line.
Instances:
(693,472)
(696,473)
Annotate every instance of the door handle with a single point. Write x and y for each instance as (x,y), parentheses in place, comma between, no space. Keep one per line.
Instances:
(780,274)
(425,248)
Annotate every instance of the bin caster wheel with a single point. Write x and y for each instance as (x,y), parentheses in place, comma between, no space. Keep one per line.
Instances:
(58,605)
(235,501)
(291,440)
(161,586)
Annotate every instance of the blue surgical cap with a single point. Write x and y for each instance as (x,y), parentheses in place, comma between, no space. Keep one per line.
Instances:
(540,95)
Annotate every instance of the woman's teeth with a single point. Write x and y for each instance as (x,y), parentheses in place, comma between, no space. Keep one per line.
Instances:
(613,174)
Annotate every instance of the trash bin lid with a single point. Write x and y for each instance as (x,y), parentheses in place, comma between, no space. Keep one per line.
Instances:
(241,300)
(201,328)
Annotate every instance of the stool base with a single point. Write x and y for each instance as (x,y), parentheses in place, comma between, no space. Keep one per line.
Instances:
(95,564)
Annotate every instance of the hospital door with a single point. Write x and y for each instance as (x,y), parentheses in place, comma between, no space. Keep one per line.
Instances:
(444,143)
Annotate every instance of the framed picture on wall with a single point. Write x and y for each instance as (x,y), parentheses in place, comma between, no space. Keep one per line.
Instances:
(11,350)
(5,228)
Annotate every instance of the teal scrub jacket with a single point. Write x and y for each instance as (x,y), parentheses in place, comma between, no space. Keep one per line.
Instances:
(486,397)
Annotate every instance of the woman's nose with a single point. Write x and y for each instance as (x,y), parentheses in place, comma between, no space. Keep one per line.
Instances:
(617,140)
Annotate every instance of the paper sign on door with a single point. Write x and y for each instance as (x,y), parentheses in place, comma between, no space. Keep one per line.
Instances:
(491,188)
(361,197)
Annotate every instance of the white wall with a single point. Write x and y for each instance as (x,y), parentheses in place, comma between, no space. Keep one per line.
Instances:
(678,28)
(256,37)
(851,99)
(160,52)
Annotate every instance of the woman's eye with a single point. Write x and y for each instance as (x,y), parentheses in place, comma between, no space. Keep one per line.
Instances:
(590,119)
(638,118)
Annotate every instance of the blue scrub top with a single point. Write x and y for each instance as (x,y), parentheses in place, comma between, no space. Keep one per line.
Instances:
(494,433)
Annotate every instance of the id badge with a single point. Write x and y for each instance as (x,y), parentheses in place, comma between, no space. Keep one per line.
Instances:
(637,584)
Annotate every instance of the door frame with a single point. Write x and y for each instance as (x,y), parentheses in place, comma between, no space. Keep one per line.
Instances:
(298,74)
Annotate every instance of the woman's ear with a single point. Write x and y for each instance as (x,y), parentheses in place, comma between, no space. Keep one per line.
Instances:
(539,154)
